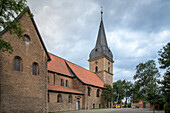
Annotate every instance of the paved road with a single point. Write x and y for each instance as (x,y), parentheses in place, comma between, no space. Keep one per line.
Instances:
(122,110)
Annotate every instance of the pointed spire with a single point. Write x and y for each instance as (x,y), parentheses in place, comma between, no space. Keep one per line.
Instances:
(101,38)
(101,48)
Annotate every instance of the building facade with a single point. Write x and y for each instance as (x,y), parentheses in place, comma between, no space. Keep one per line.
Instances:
(23,85)
(34,80)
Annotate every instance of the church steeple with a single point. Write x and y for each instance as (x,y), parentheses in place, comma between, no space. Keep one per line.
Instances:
(101,58)
(101,48)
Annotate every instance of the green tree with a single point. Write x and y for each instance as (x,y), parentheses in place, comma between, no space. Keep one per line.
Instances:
(118,90)
(164,62)
(128,87)
(145,73)
(8,11)
(108,94)
(135,93)
(146,78)
(154,95)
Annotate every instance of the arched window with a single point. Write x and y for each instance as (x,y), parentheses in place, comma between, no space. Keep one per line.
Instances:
(88,91)
(26,38)
(109,69)
(59,98)
(96,69)
(62,82)
(66,83)
(97,93)
(69,99)
(35,70)
(17,63)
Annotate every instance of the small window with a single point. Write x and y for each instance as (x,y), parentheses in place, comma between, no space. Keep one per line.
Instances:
(26,38)
(48,79)
(97,93)
(54,78)
(88,90)
(96,69)
(93,105)
(59,98)
(62,82)
(109,69)
(109,63)
(48,97)
(69,99)
(35,70)
(96,50)
(66,83)
(17,63)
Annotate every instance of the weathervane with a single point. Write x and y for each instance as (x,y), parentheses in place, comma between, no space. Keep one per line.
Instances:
(101,12)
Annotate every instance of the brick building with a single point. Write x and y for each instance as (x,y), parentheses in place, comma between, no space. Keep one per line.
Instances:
(33,80)
(23,74)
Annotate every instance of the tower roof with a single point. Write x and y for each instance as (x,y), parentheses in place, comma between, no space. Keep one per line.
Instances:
(101,48)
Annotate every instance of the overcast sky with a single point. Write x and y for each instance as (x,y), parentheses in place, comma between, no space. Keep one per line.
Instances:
(135,29)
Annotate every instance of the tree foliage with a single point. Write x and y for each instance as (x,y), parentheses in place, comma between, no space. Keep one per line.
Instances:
(122,89)
(128,87)
(135,93)
(9,9)
(119,90)
(146,79)
(164,61)
(146,73)
(108,94)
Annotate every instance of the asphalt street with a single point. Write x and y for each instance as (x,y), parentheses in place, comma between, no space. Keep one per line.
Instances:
(113,110)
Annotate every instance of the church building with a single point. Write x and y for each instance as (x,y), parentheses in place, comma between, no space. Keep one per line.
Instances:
(37,81)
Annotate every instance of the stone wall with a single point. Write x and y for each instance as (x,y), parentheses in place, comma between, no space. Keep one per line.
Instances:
(105,69)
(55,78)
(54,106)
(93,101)
(22,91)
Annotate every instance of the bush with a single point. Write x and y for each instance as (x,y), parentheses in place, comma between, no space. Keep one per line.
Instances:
(167,108)
(129,105)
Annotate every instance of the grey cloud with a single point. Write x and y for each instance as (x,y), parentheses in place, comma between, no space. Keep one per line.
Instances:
(135,29)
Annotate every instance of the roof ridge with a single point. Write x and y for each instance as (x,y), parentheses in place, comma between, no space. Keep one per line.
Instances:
(82,67)
(71,62)
(56,56)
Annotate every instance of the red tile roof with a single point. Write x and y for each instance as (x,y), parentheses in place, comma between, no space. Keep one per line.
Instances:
(58,65)
(63,89)
(86,76)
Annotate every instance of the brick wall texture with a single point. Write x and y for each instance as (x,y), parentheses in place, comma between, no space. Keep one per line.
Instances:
(23,92)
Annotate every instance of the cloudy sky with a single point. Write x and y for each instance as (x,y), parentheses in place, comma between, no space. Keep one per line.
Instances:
(135,29)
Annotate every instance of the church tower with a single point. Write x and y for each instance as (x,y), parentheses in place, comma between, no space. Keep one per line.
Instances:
(101,58)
